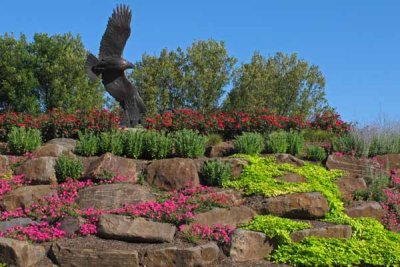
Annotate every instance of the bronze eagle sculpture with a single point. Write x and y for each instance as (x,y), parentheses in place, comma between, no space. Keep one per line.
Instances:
(110,66)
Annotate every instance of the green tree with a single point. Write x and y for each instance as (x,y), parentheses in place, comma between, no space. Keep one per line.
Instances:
(59,68)
(44,74)
(18,84)
(194,78)
(282,83)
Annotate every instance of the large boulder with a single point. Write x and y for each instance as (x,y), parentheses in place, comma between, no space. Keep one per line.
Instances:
(237,165)
(113,196)
(348,185)
(20,253)
(25,196)
(233,216)
(56,147)
(358,168)
(70,256)
(287,158)
(39,170)
(202,255)
(248,245)
(220,150)
(325,230)
(134,230)
(109,164)
(5,225)
(390,161)
(365,209)
(172,174)
(297,206)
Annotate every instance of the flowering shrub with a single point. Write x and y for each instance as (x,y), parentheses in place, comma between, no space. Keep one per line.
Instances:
(42,232)
(219,233)
(330,120)
(56,123)
(6,185)
(392,205)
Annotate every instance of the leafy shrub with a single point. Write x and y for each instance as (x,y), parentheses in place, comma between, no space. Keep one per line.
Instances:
(157,145)
(249,143)
(188,143)
(316,153)
(21,140)
(87,145)
(133,142)
(111,142)
(214,139)
(214,172)
(67,167)
(377,183)
(384,143)
(277,142)
(295,143)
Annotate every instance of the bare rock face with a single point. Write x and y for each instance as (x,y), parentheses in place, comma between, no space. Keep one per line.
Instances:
(68,143)
(5,225)
(249,245)
(72,257)
(203,255)
(233,216)
(348,185)
(326,231)
(39,170)
(20,253)
(135,230)
(358,168)
(108,164)
(220,150)
(172,174)
(25,196)
(112,196)
(287,158)
(365,209)
(237,165)
(71,225)
(292,178)
(296,206)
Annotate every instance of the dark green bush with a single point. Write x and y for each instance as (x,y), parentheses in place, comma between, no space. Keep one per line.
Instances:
(87,145)
(189,144)
(316,153)
(156,145)
(351,143)
(295,143)
(67,167)
(249,143)
(214,172)
(376,182)
(277,142)
(313,135)
(133,142)
(111,142)
(21,140)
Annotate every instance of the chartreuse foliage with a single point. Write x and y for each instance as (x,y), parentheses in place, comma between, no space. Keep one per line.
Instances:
(370,243)
(276,227)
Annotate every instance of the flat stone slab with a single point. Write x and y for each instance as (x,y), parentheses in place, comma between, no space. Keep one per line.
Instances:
(365,209)
(325,230)
(73,257)
(113,196)
(233,216)
(5,225)
(134,230)
(25,196)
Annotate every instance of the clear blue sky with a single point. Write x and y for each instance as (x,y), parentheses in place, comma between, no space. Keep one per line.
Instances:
(354,42)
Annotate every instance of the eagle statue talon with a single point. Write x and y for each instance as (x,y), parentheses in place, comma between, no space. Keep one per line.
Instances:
(110,66)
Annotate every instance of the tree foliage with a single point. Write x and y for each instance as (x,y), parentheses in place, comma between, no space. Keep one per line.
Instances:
(282,83)
(193,79)
(44,74)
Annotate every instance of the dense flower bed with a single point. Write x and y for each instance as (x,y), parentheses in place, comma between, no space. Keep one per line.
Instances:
(56,123)
(392,205)
(230,124)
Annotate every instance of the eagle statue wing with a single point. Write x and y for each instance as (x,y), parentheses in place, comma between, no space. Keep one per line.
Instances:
(117,32)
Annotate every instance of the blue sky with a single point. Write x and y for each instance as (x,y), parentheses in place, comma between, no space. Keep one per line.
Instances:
(355,42)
